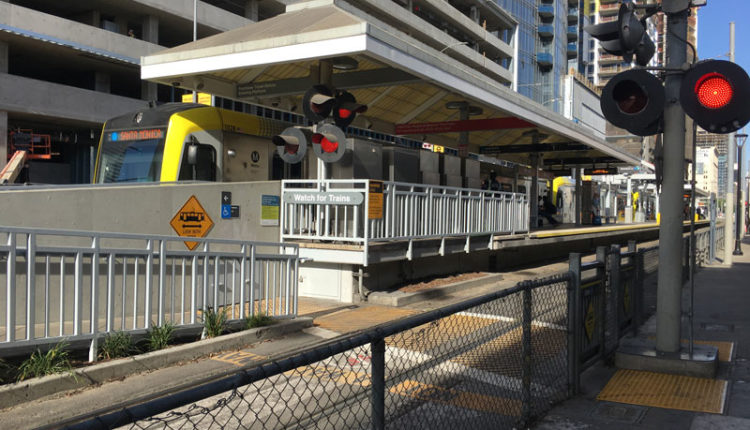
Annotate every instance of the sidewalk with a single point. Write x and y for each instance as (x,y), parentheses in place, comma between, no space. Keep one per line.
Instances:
(648,400)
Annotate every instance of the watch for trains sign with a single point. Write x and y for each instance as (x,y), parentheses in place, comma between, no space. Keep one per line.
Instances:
(191,221)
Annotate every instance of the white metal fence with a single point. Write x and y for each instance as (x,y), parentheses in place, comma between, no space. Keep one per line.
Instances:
(362,211)
(79,285)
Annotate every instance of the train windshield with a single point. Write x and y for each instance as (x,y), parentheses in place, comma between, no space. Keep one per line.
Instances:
(131,155)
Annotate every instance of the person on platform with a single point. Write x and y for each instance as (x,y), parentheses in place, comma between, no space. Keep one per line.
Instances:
(547,209)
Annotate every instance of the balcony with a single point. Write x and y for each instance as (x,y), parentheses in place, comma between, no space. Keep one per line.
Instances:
(572,33)
(544,59)
(609,59)
(546,11)
(572,50)
(609,9)
(546,31)
(572,15)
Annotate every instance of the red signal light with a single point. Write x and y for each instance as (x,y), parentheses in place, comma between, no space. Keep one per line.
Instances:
(714,91)
(325,145)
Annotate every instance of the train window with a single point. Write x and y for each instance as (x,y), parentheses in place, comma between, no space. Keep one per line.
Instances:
(204,168)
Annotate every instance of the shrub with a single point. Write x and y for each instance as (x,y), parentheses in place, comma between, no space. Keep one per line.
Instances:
(53,361)
(258,320)
(214,322)
(159,336)
(116,344)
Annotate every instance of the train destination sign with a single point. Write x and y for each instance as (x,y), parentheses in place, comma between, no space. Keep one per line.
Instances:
(191,221)
(324,198)
(129,135)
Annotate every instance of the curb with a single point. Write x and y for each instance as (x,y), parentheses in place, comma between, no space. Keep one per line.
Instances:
(399,298)
(33,389)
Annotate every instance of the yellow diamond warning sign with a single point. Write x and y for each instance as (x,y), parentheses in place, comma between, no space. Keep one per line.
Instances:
(191,221)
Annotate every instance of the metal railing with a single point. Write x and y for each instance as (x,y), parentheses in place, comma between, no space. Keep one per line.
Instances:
(78,286)
(363,211)
(495,361)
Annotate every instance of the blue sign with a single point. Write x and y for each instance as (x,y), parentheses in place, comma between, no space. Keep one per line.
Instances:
(226,211)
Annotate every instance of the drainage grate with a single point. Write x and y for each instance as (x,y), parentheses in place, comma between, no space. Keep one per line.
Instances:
(717,327)
(619,412)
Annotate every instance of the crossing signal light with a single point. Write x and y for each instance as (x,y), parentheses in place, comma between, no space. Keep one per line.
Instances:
(329,143)
(291,144)
(625,37)
(634,100)
(317,102)
(716,94)
(345,109)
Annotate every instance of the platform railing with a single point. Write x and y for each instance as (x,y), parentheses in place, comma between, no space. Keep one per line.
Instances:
(78,286)
(362,211)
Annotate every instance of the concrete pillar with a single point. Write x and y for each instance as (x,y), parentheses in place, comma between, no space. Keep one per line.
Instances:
(251,10)
(101,82)
(534,192)
(629,203)
(148,91)
(3,114)
(3,57)
(150,29)
(578,195)
(3,138)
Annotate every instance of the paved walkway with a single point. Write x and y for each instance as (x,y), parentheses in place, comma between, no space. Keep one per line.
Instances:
(722,318)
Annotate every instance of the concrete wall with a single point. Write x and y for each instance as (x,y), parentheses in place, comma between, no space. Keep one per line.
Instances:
(144,209)
(208,15)
(31,96)
(73,32)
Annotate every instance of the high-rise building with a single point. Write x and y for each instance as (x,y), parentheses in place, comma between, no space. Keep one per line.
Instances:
(600,66)
(548,32)
(719,143)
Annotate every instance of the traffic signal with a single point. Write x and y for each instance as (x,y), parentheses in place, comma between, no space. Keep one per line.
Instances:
(317,102)
(626,37)
(634,100)
(345,108)
(716,94)
(291,144)
(329,143)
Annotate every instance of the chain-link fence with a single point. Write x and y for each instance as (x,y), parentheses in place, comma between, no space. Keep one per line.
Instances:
(496,361)
(492,362)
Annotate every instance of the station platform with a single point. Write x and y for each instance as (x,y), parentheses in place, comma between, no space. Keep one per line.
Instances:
(617,399)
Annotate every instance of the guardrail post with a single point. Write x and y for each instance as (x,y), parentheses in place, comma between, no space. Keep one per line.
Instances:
(615,286)
(94,346)
(639,291)
(30,285)
(526,356)
(574,323)
(377,362)
(601,275)
(10,289)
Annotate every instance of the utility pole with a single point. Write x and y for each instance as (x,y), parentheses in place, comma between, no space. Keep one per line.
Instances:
(669,301)
(729,214)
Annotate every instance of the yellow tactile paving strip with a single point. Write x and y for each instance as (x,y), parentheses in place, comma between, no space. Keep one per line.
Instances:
(360,318)
(428,336)
(725,348)
(662,390)
(503,354)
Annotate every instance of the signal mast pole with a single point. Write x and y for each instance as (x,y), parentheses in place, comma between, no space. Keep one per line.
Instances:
(669,309)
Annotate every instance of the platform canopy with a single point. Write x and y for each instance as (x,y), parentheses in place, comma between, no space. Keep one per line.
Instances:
(411,83)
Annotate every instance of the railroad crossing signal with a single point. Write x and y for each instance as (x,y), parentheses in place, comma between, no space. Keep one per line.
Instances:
(634,100)
(625,37)
(319,103)
(716,94)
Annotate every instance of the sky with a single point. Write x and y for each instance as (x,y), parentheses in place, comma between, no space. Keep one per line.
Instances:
(713,39)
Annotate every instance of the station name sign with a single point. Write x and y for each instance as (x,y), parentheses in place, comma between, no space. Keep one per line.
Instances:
(129,135)
(323,198)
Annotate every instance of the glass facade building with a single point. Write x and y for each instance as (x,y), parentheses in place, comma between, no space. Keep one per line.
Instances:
(547,39)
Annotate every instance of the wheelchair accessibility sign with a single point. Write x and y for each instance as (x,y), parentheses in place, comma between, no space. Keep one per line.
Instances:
(230,211)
